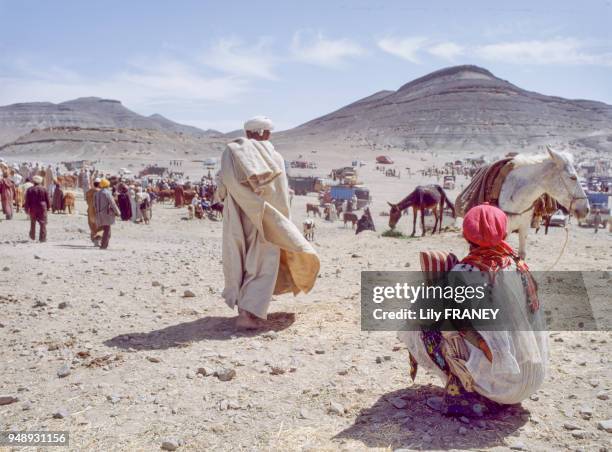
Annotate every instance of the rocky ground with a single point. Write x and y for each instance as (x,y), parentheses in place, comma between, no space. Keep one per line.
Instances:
(132,348)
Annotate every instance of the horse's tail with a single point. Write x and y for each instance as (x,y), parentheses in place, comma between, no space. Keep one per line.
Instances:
(446,200)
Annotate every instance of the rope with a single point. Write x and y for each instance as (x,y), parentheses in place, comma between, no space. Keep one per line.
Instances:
(569,217)
(562,249)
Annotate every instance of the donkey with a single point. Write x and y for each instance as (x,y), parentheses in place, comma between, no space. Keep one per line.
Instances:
(552,173)
(314,209)
(423,197)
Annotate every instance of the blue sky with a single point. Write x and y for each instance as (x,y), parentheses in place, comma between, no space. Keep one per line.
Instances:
(213,64)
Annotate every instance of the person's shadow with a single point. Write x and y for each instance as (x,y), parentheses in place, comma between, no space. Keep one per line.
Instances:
(206,328)
(417,426)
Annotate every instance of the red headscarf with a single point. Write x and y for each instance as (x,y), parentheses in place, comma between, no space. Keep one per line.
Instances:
(485,225)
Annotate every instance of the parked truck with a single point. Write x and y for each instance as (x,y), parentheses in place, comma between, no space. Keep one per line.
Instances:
(599,202)
(346,193)
(303,185)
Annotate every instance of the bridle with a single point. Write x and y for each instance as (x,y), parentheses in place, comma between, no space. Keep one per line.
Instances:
(572,193)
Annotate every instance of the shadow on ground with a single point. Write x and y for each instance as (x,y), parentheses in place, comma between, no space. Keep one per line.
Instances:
(416,426)
(77,247)
(207,328)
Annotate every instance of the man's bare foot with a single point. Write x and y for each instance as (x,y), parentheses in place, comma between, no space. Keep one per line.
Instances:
(247,321)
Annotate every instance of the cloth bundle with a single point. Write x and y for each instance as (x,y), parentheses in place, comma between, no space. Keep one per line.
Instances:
(253,162)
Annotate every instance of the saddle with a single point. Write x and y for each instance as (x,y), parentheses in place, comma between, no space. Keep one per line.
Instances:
(485,186)
(545,205)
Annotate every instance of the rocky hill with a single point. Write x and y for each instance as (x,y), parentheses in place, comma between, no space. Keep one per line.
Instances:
(462,107)
(87,112)
(93,128)
(110,143)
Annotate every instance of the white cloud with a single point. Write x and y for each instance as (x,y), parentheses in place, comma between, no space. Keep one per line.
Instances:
(405,48)
(319,50)
(446,50)
(567,51)
(232,56)
(138,86)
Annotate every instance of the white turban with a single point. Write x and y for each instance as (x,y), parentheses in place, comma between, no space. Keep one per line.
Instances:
(97,180)
(37,179)
(259,124)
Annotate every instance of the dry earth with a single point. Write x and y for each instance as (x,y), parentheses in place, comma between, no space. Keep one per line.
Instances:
(137,348)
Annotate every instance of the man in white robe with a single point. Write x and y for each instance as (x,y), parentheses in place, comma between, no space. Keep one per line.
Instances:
(264,253)
(84,182)
(50,181)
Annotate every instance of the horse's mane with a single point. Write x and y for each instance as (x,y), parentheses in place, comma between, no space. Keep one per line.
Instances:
(530,159)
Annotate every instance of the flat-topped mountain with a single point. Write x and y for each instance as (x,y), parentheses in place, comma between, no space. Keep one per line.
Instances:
(87,112)
(461,107)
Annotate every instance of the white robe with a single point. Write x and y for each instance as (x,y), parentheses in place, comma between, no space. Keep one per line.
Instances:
(135,208)
(264,253)
(520,356)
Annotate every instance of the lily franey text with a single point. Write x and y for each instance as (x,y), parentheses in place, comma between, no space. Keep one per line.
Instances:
(436,315)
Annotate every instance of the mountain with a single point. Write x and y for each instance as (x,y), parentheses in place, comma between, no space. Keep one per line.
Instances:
(234,134)
(167,124)
(461,107)
(86,112)
(91,128)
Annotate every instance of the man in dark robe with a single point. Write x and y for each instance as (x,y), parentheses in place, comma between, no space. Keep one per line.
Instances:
(58,199)
(179,196)
(36,205)
(125,204)
(7,194)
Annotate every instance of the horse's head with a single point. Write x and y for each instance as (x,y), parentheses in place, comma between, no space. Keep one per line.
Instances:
(394,215)
(563,185)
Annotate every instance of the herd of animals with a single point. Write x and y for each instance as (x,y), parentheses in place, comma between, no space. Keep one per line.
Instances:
(529,189)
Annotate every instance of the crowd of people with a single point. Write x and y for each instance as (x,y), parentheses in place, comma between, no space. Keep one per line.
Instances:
(40,189)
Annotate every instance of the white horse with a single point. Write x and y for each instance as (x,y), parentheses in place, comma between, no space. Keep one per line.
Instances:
(532,176)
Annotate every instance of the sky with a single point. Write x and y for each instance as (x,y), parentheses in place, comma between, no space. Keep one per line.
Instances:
(214,64)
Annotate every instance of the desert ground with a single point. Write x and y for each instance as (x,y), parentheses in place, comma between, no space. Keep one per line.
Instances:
(111,346)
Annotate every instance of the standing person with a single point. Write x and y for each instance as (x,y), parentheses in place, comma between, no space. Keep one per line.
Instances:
(58,198)
(7,193)
(84,180)
(144,205)
(264,253)
(49,180)
(597,219)
(179,195)
(136,213)
(125,203)
(94,230)
(36,205)
(133,206)
(16,177)
(36,170)
(106,211)
(26,185)
(24,170)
